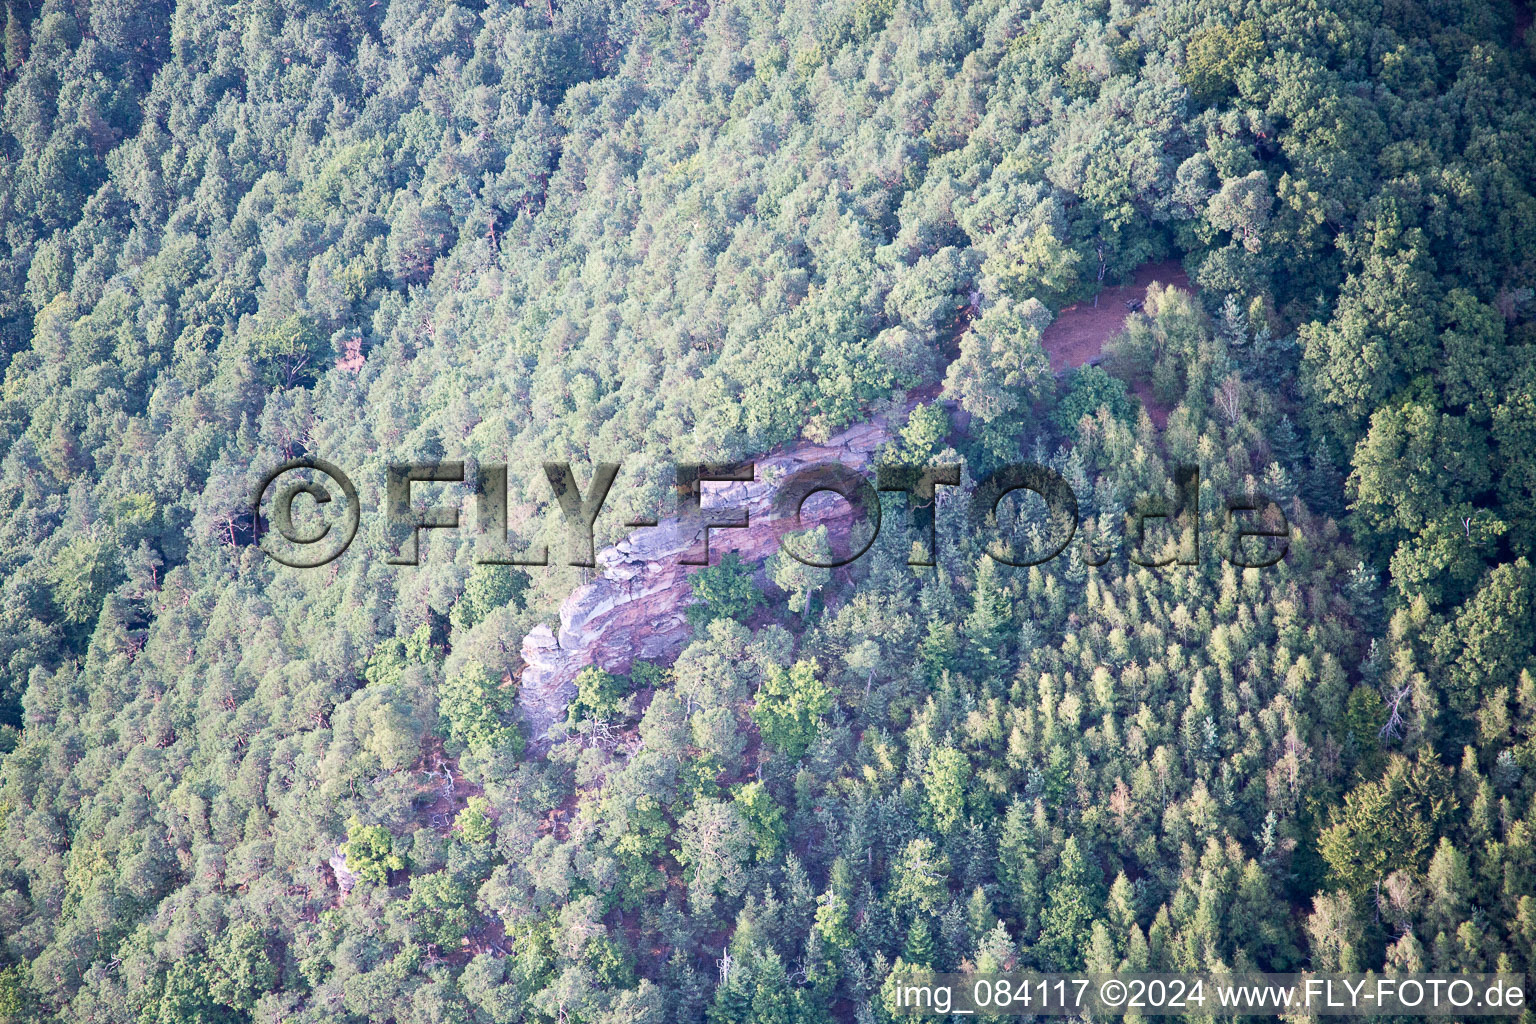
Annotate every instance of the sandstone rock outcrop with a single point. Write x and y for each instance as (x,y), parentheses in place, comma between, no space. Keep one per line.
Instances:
(636,607)
(345,879)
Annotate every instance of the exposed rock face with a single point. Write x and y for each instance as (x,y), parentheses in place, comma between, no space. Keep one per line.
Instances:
(636,608)
(345,879)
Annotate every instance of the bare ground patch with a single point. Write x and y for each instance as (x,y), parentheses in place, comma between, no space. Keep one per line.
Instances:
(1077,336)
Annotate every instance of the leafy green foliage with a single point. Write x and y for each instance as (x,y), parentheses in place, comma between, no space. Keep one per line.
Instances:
(13,994)
(1041,266)
(239,969)
(945,781)
(476,709)
(82,574)
(790,705)
(725,589)
(1002,367)
(440,907)
(921,438)
(599,694)
(1388,824)
(474,821)
(393,656)
(1092,389)
(1216,56)
(515,233)
(1073,901)
(489,587)
(370,852)
(764,818)
(798,577)
(222,985)
(288,351)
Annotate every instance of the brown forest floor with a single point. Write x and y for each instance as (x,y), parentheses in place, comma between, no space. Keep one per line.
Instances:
(1077,335)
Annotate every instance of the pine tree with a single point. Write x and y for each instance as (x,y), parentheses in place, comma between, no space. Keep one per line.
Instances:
(733,995)
(879,929)
(687,987)
(1122,904)
(1364,590)
(995,951)
(1286,443)
(1076,475)
(919,948)
(1077,568)
(15,39)
(1111,523)
(802,581)
(953,940)
(1324,489)
(1018,868)
(799,895)
(772,1001)
(936,652)
(1276,359)
(983,650)
(979,918)
(1232,327)
(1073,900)
(1277,485)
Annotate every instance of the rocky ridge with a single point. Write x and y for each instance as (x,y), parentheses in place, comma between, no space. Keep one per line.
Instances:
(636,608)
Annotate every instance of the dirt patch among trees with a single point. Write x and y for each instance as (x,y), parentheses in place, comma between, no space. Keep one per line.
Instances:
(1077,335)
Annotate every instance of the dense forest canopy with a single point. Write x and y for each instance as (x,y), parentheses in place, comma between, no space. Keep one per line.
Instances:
(647,230)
